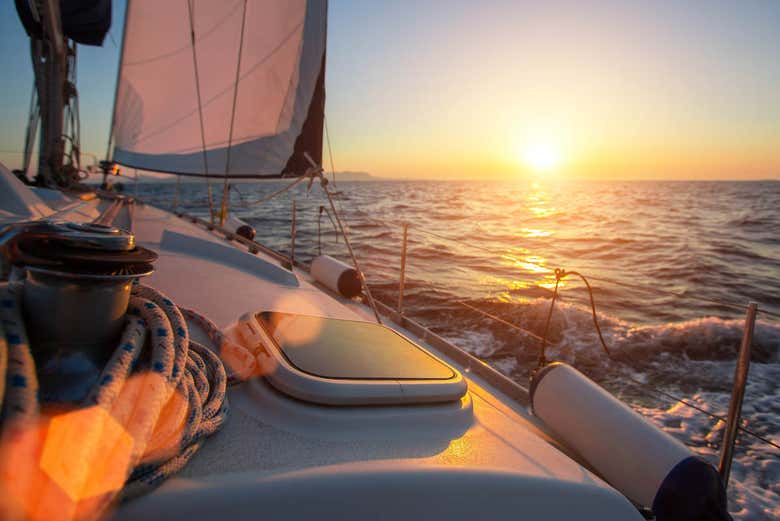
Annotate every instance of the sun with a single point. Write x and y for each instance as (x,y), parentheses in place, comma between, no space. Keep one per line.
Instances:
(542,157)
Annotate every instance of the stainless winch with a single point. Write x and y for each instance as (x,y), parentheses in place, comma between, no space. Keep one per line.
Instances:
(77,281)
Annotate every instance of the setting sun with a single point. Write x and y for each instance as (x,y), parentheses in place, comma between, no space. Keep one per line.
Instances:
(541,157)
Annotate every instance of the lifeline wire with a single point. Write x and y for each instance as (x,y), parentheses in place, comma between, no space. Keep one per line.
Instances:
(351,252)
(268,197)
(544,341)
(316,172)
(560,274)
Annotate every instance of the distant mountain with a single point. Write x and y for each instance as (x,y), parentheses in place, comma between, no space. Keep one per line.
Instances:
(355,176)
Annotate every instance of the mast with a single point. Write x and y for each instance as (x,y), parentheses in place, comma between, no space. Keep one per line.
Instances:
(49,54)
(32,131)
(55,28)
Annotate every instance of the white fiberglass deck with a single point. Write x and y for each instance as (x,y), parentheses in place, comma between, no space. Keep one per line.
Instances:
(280,457)
(274,441)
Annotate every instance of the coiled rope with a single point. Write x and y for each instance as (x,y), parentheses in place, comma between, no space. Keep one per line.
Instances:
(167,401)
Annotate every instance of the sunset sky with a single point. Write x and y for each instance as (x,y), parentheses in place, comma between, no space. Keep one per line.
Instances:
(510,89)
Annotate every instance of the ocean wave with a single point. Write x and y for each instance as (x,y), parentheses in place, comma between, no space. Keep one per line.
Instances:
(754,487)
(753,221)
(573,334)
(700,352)
(712,245)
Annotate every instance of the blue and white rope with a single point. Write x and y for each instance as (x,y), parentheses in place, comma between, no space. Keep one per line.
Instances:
(20,397)
(182,385)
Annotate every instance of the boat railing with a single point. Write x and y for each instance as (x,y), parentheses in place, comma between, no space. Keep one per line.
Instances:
(733,420)
(737,394)
(399,314)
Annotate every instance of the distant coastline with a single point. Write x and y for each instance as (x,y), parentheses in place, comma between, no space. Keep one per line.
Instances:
(359,176)
(127,177)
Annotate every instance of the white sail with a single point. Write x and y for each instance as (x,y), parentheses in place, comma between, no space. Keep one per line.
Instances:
(236,102)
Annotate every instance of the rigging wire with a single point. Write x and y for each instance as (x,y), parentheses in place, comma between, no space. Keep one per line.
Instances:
(343,225)
(177,194)
(635,381)
(32,129)
(505,322)
(225,190)
(266,198)
(560,274)
(314,172)
(190,9)
(542,360)
(112,124)
(330,151)
(340,222)
(249,70)
(346,229)
(233,8)
(319,227)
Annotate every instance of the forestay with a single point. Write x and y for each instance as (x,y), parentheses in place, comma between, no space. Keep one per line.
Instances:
(221,87)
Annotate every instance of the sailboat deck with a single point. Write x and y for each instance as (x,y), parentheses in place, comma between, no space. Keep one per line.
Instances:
(272,436)
(284,457)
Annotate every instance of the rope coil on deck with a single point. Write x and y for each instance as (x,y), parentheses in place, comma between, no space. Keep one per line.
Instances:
(150,411)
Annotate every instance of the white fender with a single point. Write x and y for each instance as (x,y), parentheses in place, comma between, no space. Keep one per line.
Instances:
(633,455)
(239,227)
(337,276)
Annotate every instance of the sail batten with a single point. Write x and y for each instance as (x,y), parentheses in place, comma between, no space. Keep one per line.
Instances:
(278,101)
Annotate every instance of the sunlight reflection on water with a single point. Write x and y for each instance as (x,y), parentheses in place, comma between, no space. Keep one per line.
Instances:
(496,244)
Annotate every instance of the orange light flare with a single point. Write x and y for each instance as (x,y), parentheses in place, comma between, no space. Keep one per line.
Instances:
(20,476)
(169,430)
(64,467)
(87,453)
(69,465)
(241,362)
(293,336)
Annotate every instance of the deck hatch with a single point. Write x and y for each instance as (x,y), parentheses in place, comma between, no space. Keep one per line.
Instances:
(350,349)
(350,362)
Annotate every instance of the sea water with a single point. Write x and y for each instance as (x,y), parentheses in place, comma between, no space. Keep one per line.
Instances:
(672,265)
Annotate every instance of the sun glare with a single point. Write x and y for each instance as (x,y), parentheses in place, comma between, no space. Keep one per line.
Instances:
(542,157)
